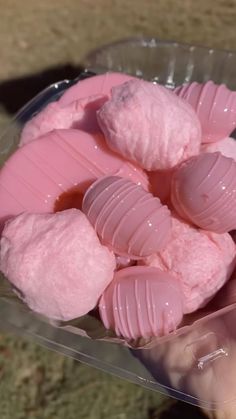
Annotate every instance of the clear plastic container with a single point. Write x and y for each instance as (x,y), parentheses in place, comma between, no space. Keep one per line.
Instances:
(196,363)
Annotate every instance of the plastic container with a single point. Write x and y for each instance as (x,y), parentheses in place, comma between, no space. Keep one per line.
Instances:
(196,363)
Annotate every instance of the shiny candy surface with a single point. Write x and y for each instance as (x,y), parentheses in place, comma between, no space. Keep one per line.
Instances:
(126,217)
(203,191)
(35,176)
(141,302)
(215,106)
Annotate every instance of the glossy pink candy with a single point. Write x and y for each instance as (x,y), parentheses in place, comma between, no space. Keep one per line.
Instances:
(203,191)
(35,176)
(126,217)
(141,302)
(215,106)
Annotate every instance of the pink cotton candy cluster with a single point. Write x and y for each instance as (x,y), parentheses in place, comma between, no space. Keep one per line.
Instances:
(201,261)
(150,125)
(56,263)
(115,202)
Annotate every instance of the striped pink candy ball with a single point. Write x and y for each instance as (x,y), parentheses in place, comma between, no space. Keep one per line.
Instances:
(203,191)
(141,302)
(128,219)
(215,106)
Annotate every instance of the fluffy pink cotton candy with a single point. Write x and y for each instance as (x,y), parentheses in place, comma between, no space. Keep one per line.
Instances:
(227,147)
(80,114)
(150,125)
(56,263)
(202,261)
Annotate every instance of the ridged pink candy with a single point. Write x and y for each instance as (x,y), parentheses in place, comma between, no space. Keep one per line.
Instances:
(215,106)
(127,218)
(141,302)
(38,173)
(203,191)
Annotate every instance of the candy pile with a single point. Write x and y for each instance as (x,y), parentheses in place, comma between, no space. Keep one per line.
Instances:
(121,197)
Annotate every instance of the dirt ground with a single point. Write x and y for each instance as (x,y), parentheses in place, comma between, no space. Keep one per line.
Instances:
(40,42)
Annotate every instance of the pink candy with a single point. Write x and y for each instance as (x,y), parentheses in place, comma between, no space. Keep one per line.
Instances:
(201,261)
(141,302)
(203,191)
(80,114)
(215,106)
(56,263)
(35,176)
(148,124)
(227,147)
(126,217)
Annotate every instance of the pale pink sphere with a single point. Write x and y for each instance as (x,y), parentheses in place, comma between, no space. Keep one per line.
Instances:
(142,302)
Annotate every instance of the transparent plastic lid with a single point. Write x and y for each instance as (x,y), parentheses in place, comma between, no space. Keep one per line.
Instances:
(195,363)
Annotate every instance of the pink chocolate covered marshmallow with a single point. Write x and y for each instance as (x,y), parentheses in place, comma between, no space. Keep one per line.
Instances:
(142,302)
(127,218)
(202,261)
(150,125)
(80,114)
(56,263)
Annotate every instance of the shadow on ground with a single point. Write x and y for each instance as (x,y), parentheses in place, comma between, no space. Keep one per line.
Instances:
(178,410)
(15,93)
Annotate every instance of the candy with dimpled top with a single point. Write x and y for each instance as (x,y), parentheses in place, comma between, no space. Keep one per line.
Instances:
(215,106)
(127,218)
(203,191)
(142,302)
